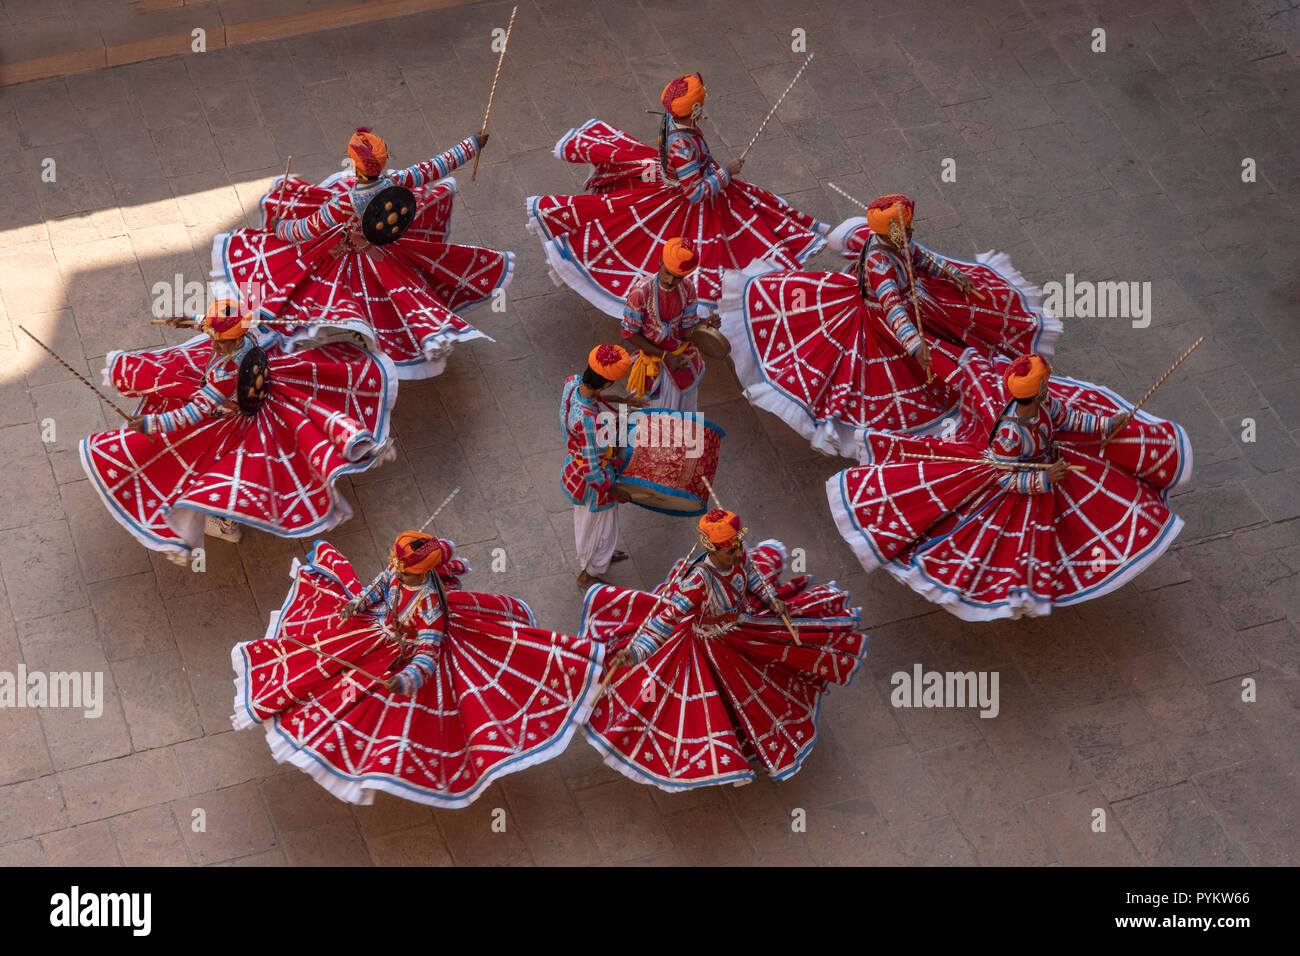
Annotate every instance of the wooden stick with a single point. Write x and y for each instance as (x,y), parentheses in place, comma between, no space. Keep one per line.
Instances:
(102,397)
(317,650)
(1009,465)
(949,272)
(712,494)
(659,599)
(275,221)
(1152,390)
(496,76)
(772,111)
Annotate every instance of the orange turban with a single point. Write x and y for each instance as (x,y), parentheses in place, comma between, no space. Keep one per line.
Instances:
(680,257)
(682,94)
(416,553)
(721,527)
(1026,376)
(368,151)
(609,361)
(888,209)
(224,321)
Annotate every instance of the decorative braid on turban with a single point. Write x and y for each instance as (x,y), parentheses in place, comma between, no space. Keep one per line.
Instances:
(886,209)
(224,320)
(682,94)
(680,257)
(722,528)
(417,553)
(368,151)
(609,361)
(1026,375)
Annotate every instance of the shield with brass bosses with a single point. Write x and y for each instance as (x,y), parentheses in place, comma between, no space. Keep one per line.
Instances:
(387,215)
(254,380)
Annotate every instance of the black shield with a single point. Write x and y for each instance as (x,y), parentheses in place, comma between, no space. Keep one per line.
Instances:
(254,381)
(387,215)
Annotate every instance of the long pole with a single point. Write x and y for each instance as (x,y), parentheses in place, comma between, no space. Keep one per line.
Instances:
(77,375)
(317,650)
(1010,466)
(493,92)
(1152,390)
(772,111)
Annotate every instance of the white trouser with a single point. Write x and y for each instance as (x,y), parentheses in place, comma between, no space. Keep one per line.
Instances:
(595,533)
(669,395)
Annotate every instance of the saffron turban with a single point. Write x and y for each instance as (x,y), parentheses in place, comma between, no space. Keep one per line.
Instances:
(887,209)
(1026,376)
(416,553)
(609,361)
(680,257)
(368,151)
(224,321)
(722,528)
(683,93)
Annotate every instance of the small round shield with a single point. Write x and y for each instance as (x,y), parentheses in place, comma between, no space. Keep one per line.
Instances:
(387,215)
(254,380)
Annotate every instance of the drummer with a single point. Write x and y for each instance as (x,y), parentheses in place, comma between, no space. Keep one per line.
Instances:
(659,316)
(590,470)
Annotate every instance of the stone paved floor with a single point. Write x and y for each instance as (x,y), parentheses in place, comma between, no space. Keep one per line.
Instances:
(1118,165)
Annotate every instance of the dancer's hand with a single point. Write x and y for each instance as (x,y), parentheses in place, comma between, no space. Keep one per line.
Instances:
(481,139)
(735,165)
(392,684)
(624,658)
(923,356)
(1056,471)
(777,605)
(962,281)
(621,496)
(1119,423)
(675,362)
(348,612)
(713,321)
(136,424)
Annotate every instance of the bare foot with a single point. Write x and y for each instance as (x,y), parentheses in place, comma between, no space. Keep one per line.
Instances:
(619,556)
(586,580)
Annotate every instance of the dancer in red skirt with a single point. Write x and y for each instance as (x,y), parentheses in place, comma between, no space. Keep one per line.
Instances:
(600,245)
(834,354)
(201,446)
(309,261)
(713,680)
(990,536)
(444,690)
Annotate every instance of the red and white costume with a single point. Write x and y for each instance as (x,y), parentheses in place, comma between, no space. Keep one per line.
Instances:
(315,265)
(834,354)
(601,244)
(326,414)
(987,542)
(720,684)
(489,693)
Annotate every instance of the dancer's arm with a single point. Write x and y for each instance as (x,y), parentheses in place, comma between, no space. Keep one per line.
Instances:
(440,166)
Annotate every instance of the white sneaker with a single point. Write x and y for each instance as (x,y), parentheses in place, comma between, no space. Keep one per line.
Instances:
(223,528)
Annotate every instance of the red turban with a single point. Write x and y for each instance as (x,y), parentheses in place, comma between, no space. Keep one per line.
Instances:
(416,553)
(889,209)
(680,257)
(224,320)
(368,151)
(1026,375)
(682,94)
(609,361)
(722,528)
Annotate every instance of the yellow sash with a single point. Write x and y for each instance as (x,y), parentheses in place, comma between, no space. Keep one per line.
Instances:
(646,368)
